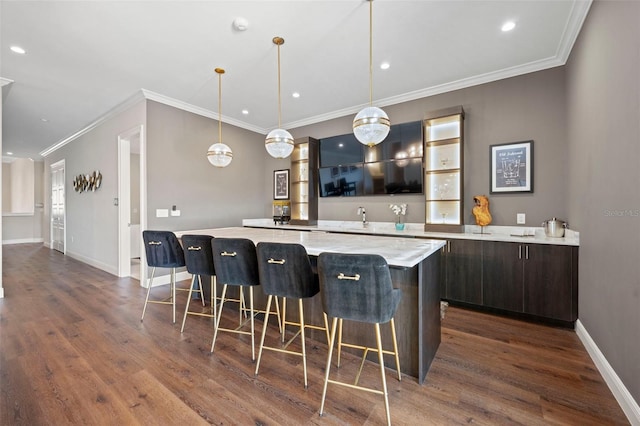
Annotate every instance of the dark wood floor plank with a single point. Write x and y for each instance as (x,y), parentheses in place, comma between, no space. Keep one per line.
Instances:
(73,351)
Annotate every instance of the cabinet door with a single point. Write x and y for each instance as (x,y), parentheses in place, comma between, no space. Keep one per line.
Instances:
(502,285)
(464,271)
(550,281)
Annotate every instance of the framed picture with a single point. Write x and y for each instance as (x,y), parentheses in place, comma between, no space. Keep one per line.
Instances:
(281,184)
(512,167)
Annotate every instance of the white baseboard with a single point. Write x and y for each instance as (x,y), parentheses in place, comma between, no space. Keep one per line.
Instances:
(619,390)
(23,241)
(159,280)
(103,266)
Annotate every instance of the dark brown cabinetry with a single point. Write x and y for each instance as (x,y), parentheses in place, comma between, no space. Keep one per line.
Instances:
(540,280)
(462,271)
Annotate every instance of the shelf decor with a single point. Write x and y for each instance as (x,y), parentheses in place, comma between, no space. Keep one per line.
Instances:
(512,167)
(281,184)
(399,210)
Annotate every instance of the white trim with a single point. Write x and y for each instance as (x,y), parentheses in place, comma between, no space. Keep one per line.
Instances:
(23,241)
(100,265)
(128,103)
(617,387)
(159,280)
(5,81)
(579,11)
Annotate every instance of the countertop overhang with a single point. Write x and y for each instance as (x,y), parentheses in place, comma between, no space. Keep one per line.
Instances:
(397,251)
(514,234)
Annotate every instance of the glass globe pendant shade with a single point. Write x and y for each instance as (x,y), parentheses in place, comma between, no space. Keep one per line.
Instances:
(220,155)
(279,143)
(371,126)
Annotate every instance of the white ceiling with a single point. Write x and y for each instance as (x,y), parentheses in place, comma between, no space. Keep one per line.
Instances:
(84,58)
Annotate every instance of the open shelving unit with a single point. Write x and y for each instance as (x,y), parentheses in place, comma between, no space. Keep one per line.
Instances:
(304,184)
(444,160)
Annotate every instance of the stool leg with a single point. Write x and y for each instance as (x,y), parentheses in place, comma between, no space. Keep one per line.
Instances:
(339,340)
(284,318)
(253,343)
(201,290)
(384,380)
(304,349)
(395,348)
(146,300)
(264,332)
(184,318)
(213,296)
(215,331)
(334,326)
(173,293)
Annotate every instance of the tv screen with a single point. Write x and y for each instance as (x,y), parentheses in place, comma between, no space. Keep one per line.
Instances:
(339,150)
(403,141)
(393,177)
(341,181)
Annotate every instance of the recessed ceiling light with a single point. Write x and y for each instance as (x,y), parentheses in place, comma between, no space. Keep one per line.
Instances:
(9,153)
(44,120)
(384,66)
(295,94)
(17,49)
(508,26)
(245,111)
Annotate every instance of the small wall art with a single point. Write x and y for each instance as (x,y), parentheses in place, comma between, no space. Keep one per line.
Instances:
(512,167)
(88,182)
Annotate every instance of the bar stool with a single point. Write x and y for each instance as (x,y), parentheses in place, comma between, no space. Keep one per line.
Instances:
(357,287)
(163,250)
(199,261)
(236,264)
(285,271)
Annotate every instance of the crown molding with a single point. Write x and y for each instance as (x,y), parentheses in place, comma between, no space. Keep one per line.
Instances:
(5,81)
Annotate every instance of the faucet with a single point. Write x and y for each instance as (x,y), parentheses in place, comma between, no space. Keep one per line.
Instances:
(362,212)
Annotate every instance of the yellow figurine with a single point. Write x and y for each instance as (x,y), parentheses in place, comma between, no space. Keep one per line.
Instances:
(481,210)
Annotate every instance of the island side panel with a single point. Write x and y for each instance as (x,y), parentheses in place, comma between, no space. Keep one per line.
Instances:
(429,332)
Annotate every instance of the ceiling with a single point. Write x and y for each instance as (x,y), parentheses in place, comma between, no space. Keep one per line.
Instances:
(84,58)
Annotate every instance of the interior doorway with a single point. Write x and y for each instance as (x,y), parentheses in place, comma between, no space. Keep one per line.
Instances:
(131,203)
(58,211)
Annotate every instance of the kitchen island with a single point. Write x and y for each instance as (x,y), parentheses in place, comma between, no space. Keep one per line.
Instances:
(415,269)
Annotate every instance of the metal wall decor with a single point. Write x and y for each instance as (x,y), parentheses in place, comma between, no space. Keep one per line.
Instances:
(89,182)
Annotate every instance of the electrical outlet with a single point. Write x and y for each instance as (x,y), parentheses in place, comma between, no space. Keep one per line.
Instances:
(520,219)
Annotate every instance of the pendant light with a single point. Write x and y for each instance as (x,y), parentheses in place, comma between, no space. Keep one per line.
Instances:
(279,142)
(219,154)
(371,125)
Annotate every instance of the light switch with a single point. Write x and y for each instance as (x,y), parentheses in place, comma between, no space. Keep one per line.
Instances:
(520,219)
(162,213)
(175,212)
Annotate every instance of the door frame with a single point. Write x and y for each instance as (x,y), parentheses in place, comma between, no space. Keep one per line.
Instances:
(124,202)
(58,165)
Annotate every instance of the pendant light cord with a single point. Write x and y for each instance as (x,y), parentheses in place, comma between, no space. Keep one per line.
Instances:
(220,71)
(279,96)
(370,52)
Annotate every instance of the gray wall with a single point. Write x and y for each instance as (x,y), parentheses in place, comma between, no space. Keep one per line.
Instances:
(603,99)
(92,218)
(529,107)
(178,172)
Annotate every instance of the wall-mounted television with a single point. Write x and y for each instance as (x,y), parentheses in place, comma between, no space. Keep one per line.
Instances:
(348,168)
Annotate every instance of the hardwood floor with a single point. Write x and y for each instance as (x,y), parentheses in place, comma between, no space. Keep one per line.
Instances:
(73,351)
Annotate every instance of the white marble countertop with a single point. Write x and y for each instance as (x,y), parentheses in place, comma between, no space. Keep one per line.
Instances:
(403,252)
(513,234)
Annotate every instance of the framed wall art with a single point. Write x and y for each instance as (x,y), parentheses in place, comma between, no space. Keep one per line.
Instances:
(512,167)
(281,184)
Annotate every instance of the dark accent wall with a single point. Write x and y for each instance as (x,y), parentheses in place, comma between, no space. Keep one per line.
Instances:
(603,103)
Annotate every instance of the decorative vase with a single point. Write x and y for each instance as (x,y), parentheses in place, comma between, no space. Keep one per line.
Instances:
(399,224)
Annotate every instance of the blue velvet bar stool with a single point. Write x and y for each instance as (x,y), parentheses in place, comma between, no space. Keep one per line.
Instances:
(163,250)
(285,271)
(358,287)
(198,257)
(236,264)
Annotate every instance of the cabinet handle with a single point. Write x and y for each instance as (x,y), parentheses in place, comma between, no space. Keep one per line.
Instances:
(526,252)
(520,251)
(449,246)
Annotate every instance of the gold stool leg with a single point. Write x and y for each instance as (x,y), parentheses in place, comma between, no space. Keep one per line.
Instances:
(339,340)
(264,332)
(184,318)
(395,348)
(334,326)
(146,300)
(284,316)
(215,331)
(253,343)
(304,349)
(384,380)
(173,293)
